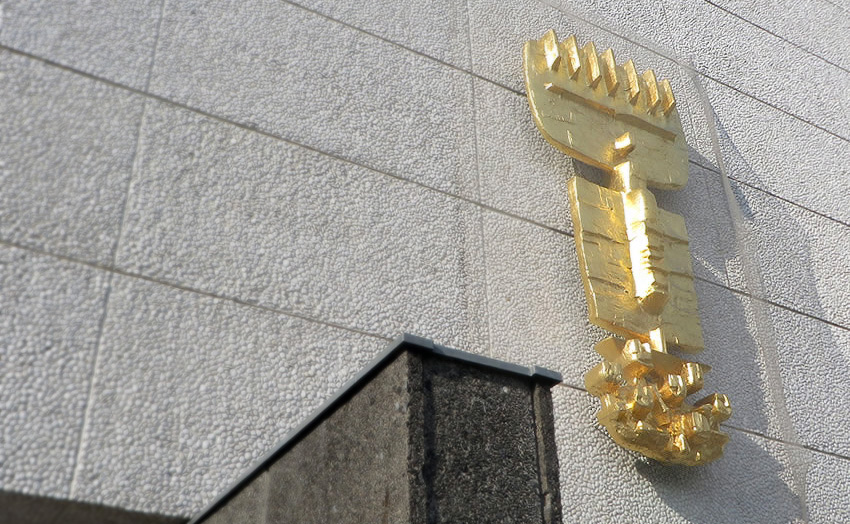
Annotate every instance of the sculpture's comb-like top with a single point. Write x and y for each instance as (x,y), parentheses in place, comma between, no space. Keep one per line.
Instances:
(605,114)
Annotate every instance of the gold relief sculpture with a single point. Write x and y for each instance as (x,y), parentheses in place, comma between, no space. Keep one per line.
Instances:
(634,258)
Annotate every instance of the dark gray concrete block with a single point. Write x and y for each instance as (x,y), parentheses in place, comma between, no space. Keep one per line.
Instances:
(480,446)
(248,506)
(353,467)
(425,434)
(547,450)
(18,508)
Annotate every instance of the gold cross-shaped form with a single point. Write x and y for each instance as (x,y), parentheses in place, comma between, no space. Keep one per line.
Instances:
(633,255)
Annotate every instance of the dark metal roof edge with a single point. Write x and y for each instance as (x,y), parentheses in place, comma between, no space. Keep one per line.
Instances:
(536,373)
(404,342)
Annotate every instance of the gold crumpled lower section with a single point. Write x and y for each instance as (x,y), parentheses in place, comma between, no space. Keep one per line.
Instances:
(643,393)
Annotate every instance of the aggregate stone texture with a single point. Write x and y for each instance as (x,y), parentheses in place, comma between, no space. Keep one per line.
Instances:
(756,481)
(761,65)
(480,446)
(113,40)
(190,390)
(437,28)
(50,313)
(736,348)
(641,21)
(824,34)
(303,77)
(704,203)
(536,303)
(18,508)
(236,213)
(773,151)
(353,467)
(66,155)
(813,358)
(520,172)
(801,256)
(827,485)
(500,29)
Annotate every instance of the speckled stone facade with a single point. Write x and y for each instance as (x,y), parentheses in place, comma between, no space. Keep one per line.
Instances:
(212,214)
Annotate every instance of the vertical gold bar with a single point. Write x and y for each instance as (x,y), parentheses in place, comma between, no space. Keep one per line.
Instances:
(609,68)
(592,59)
(669,101)
(652,98)
(573,60)
(633,82)
(550,49)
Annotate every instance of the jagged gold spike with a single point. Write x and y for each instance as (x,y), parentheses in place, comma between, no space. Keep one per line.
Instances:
(593,73)
(693,375)
(605,377)
(624,145)
(551,50)
(573,60)
(657,341)
(652,98)
(719,405)
(609,71)
(668,100)
(634,83)
(673,391)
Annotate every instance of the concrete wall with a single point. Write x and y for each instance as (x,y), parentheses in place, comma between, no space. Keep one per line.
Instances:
(213,213)
(423,434)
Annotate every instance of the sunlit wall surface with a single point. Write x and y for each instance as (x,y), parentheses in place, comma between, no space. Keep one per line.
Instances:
(212,213)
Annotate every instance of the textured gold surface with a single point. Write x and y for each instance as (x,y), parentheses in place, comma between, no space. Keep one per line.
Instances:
(643,393)
(634,256)
(635,265)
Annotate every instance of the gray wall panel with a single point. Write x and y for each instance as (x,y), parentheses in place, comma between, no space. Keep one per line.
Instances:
(113,40)
(537,310)
(300,76)
(190,390)
(761,65)
(812,359)
(66,152)
(801,256)
(818,26)
(782,155)
(437,28)
(50,314)
(232,212)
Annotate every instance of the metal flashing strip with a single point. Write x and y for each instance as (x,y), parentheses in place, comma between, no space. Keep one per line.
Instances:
(404,342)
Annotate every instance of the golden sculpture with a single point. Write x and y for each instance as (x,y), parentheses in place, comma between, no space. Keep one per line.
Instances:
(634,256)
